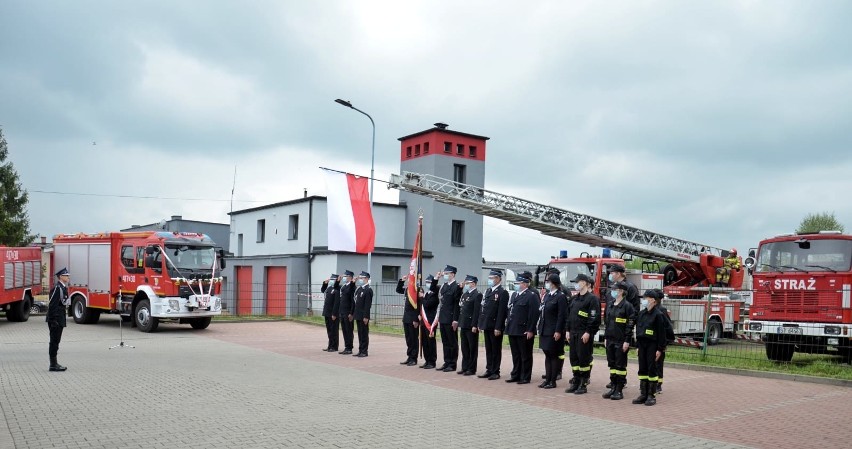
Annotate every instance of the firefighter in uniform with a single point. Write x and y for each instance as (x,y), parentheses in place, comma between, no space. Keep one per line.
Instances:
(331,312)
(347,309)
(732,263)
(521,328)
(567,293)
(669,339)
(363,302)
(410,325)
(616,274)
(492,320)
(651,340)
(469,310)
(584,318)
(56,313)
(429,309)
(448,318)
(619,318)
(551,329)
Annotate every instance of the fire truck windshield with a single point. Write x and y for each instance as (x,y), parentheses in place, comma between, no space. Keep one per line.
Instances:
(191,257)
(805,255)
(568,271)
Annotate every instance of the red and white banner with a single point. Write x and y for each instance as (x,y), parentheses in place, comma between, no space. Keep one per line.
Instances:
(350,218)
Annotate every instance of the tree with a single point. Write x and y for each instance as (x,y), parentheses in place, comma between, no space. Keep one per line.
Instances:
(814,223)
(14,222)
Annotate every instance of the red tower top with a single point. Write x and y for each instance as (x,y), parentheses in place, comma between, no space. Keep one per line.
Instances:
(442,141)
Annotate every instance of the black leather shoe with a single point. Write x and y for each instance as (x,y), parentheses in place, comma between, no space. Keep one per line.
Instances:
(356,355)
(405,362)
(363,354)
(428,367)
(523,382)
(541,385)
(411,363)
(494,377)
(448,369)
(345,352)
(511,379)
(468,373)
(549,386)
(441,368)
(484,375)
(57,368)
(325,350)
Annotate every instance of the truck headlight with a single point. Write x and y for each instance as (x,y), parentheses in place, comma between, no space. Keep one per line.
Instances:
(174,304)
(831,330)
(757,327)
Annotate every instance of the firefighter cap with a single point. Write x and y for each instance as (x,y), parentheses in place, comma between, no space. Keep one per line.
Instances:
(616,268)
(523,278)
(583,277)
(364,274)
(471,278)
(621,285)
(333,276)
(348,273)
(430,278)
(496,272)
(554,279)
(451,269)
(63,272)
(653,294)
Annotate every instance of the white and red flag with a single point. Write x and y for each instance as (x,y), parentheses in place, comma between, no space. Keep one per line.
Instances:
(350,217)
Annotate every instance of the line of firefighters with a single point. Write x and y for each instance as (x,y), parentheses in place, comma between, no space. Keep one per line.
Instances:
(557,317)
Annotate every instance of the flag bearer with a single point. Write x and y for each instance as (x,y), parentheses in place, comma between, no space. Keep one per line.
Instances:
(331,312)
(448,318)
(347,309)
(363,302)
(410,324)
(619,317)
(469,310)
(651,340)
(429,309)
(492,320)
(551,329)
(584,318)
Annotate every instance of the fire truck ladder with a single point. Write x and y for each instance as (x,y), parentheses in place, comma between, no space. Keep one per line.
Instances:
(553,221)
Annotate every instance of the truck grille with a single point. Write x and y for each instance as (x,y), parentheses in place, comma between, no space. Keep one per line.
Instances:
(796,305)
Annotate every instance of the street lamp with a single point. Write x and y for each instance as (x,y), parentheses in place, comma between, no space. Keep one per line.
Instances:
(372,162)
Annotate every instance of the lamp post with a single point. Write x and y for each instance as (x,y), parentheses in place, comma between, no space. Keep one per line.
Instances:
(372,162)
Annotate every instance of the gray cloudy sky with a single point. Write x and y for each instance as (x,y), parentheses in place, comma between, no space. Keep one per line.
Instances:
(717,122)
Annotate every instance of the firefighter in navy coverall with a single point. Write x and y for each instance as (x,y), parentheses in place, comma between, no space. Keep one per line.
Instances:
(619,317)
(331,312)
(492,319)
(469,310)
(584,318)
(56,314)
(347,309)
(551,329)
(651,339)
(410,325)
(429,304)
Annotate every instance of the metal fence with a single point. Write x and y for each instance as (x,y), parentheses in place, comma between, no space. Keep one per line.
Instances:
(722,331)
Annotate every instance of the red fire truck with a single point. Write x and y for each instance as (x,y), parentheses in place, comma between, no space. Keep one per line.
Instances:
(20,269)
(148,277)
(802,291)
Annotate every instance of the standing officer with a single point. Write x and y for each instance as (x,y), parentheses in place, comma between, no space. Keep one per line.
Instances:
(651,339)
(56,313)
(331,312)
(551,329)
(521,328)
(448,318)
(347,309)
(492,320)
(669,338)
(567,293)
(363,302)
(619,317)
(584,318)
(469,310)
(410,323)
(616,274)
(429,308)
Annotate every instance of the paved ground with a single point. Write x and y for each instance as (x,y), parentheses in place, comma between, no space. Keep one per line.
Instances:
(257,385)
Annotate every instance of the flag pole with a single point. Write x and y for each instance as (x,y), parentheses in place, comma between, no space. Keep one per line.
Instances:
(420,276)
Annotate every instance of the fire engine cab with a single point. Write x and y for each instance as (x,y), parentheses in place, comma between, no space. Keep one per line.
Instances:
(20,270)
(146,277)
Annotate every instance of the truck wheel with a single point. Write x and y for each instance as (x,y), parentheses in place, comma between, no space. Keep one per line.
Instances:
(669,275)
(19,311)
(144,321)
(200,323)
(714,332)
(79,311)
(779,352)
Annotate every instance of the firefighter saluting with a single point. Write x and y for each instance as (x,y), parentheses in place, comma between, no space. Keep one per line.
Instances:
(651,339)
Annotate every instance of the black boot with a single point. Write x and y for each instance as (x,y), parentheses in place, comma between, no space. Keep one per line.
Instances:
(659,387)
(582,388)
(55,366)
(652,390)
(611,386)
(617,393)
(573,384)
(643,392)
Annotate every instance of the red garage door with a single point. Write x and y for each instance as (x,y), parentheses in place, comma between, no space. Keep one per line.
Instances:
(244,288)
(276,291)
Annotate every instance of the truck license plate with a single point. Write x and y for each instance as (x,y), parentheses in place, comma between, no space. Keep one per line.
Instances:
(790,330)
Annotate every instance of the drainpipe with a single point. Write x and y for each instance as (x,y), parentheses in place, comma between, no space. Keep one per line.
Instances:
(310,311)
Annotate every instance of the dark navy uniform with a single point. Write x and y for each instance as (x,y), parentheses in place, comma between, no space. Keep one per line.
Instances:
(363,303)
(331,313)
(469,310)
(409,325)
(618,321)
(56,315)
(492,320)
(447,315)
(554,307)
(650,338)
(522,319)
(583,317)
(347,310)
(429,309)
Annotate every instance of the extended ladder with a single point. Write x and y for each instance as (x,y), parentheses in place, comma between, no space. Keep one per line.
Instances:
(553,221)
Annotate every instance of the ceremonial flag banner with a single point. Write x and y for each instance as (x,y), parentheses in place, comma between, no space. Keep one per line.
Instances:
(350,217)
(415,269)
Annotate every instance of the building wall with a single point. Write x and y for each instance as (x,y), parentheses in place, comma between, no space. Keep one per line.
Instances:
(276,239)
(298,284)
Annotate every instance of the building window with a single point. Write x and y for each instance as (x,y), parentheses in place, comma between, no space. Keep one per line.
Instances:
(408,152)
(390,273)
(426,148)
(460,149)
(448,147)
(293,231)
(261,231)
(457,237)
(472,151)
(417,150)
(460,173)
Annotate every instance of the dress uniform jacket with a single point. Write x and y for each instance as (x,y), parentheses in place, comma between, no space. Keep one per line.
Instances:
(619,320)
(56,311)
(409,312)
(554,307)
(469,309)
(347,299)
(450,294)
(363,302)
(523,313)
(331,306)
(584,314)
(430,304)
(493,309)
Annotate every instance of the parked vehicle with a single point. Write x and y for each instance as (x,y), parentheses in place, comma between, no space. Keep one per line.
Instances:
(20,269)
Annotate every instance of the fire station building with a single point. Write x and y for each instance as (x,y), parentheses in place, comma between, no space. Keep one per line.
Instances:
(281,254)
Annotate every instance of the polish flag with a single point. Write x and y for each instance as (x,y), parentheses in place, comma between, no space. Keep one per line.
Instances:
(350,218)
